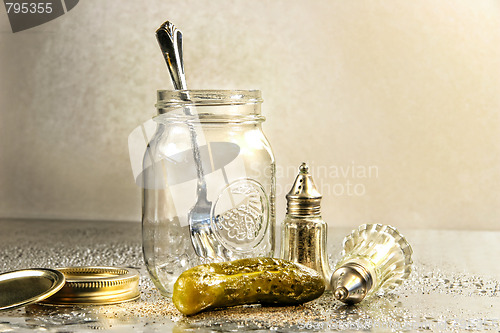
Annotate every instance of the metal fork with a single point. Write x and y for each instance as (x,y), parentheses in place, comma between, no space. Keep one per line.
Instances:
(202,237)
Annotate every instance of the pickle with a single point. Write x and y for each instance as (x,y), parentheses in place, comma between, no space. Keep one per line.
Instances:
(265,281)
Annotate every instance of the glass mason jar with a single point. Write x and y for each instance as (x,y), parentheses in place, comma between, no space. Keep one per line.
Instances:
(209,183)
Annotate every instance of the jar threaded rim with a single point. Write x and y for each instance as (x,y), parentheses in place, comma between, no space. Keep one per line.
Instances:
(177,98)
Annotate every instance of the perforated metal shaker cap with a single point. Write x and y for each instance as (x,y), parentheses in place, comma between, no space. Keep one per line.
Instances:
(351,283)
(304,198)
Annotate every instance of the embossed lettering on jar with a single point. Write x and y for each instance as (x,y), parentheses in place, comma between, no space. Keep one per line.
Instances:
(217,134)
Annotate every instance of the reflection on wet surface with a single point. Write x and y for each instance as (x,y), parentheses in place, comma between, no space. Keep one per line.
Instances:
(454,286)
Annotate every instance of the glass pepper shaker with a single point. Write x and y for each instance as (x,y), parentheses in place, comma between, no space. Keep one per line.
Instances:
(376,257)
(304,231)
(239,174)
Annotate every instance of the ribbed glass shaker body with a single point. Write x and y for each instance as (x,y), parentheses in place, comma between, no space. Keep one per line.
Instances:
(212,137)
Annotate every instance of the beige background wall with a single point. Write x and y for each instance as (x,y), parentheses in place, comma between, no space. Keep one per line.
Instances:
(405,93)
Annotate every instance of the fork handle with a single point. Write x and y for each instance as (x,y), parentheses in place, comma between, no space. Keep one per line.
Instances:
(170,40)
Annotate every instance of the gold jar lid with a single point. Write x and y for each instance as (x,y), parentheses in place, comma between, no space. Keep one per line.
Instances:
(96,286)
(26,286)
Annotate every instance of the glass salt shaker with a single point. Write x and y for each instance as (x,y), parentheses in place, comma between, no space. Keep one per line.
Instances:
(304,230)
(222,137)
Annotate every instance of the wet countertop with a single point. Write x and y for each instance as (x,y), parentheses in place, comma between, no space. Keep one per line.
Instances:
(455,286)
